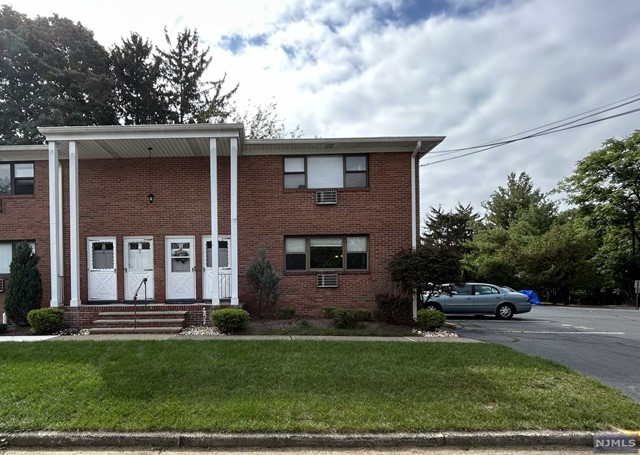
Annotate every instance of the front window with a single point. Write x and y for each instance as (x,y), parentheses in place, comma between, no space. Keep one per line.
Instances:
(326,171)
(16,178)
(7,251)
(326,253)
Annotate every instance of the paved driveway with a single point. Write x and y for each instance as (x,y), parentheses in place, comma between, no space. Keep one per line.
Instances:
(600,342)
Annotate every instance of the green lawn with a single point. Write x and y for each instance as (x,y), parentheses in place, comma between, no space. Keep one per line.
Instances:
(313,386)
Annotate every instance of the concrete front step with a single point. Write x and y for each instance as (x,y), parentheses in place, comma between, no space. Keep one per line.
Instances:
(127,330)
(131,321)
(125,323)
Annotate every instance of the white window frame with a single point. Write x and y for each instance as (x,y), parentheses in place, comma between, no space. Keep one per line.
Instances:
(344,172)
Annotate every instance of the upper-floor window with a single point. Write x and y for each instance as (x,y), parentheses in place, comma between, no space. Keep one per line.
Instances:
(7,250)
(326,171)
(16,178)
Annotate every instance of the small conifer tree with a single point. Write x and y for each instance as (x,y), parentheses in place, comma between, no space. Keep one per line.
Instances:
(24,292)
(264,280)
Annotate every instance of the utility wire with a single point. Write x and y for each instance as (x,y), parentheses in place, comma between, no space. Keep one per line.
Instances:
(492,146)
(592,112)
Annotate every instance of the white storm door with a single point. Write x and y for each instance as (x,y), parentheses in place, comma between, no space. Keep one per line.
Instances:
(224,268)
(181,270)
(102,269)
(138,265)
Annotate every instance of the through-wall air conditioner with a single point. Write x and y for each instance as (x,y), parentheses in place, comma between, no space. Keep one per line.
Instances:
(326,197)
(328,280)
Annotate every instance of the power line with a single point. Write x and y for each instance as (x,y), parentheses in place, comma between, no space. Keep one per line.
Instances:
(492,146)
(592,112)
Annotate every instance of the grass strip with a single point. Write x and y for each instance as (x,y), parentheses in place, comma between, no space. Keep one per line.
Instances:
(282,386)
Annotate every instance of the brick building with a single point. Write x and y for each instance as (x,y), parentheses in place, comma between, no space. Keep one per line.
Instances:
(107,206)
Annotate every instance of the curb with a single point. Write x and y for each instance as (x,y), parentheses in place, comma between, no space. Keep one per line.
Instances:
(57,439)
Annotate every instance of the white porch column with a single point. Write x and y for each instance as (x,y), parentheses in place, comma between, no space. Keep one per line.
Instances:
(234,221)
(54,227)
(213,169)
(74,224)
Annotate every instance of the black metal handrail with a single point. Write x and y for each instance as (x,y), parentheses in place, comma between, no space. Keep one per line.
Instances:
(135,301)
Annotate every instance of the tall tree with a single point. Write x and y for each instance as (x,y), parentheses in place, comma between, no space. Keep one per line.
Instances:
(606,185)
(52,72)
(453,229)
(137,90)
(506,205)
(262,122)
(190,98)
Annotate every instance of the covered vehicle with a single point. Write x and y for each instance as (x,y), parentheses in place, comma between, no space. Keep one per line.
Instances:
(479,298)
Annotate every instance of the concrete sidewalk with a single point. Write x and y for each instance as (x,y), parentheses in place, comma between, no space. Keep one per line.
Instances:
(416,339)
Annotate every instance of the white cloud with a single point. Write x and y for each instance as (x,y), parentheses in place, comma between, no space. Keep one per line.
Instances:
(507,67)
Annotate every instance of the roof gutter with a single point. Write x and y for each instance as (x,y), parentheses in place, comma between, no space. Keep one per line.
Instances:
(414,219)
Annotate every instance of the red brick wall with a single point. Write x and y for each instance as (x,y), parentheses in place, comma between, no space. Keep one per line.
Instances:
(26,217)
(113,202)
(268,213)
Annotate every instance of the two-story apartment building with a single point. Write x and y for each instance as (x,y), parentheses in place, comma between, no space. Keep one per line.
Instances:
(187,208)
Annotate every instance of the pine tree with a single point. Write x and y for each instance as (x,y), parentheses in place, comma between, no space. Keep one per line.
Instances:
(190,99)
(136,71)
(25,285)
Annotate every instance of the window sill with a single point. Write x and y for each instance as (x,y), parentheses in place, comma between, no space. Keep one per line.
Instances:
(313,190)
(319,272)
(16,196)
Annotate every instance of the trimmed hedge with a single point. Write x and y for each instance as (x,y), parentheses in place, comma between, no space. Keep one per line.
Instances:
(45,321)
(430,320)
(230,320)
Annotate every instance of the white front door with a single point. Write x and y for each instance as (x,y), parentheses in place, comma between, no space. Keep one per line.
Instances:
(101,260)
(224,268)
(181,270)
(138,265)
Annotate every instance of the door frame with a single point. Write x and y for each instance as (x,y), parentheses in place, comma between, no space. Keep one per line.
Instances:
(125,263)
(228,269)
(90,241)
(168,239)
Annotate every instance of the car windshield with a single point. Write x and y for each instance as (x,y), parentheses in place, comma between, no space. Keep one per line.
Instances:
(508,288)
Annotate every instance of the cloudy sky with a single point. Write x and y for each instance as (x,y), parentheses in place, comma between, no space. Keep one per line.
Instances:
(472,70)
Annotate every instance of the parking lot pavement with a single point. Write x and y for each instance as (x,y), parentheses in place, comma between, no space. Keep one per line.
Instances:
(603,343)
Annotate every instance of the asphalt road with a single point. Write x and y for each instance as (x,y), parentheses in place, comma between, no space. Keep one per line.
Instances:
(603,343)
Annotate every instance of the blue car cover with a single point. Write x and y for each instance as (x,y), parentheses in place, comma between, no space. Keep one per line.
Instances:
(533,297)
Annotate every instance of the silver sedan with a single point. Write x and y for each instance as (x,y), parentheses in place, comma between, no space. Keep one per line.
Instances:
(480,298)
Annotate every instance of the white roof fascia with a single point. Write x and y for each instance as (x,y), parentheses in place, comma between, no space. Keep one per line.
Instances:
(24,152)
(114,132)
(339,145)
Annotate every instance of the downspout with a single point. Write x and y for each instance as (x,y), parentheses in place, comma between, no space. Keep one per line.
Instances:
(414,220)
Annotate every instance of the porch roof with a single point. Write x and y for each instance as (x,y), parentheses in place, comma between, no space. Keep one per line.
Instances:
(134,141)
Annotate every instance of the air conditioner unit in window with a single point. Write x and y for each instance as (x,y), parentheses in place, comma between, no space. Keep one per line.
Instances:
(1,285)
(328,280)
(326,197)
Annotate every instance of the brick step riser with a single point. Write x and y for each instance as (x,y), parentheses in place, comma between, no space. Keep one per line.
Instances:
(179,325)
(136,332)
(114,316)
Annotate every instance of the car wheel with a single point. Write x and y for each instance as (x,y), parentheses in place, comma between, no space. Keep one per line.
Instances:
(505,311)
(432,306)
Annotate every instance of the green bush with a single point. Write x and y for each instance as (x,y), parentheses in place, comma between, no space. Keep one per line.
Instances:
(345,319)
(24,292)
(431,319)
(264,280)
(363,315)
(394,307)
(328,312)
(285,313)
(230,320)
(45,321)
(3,328)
